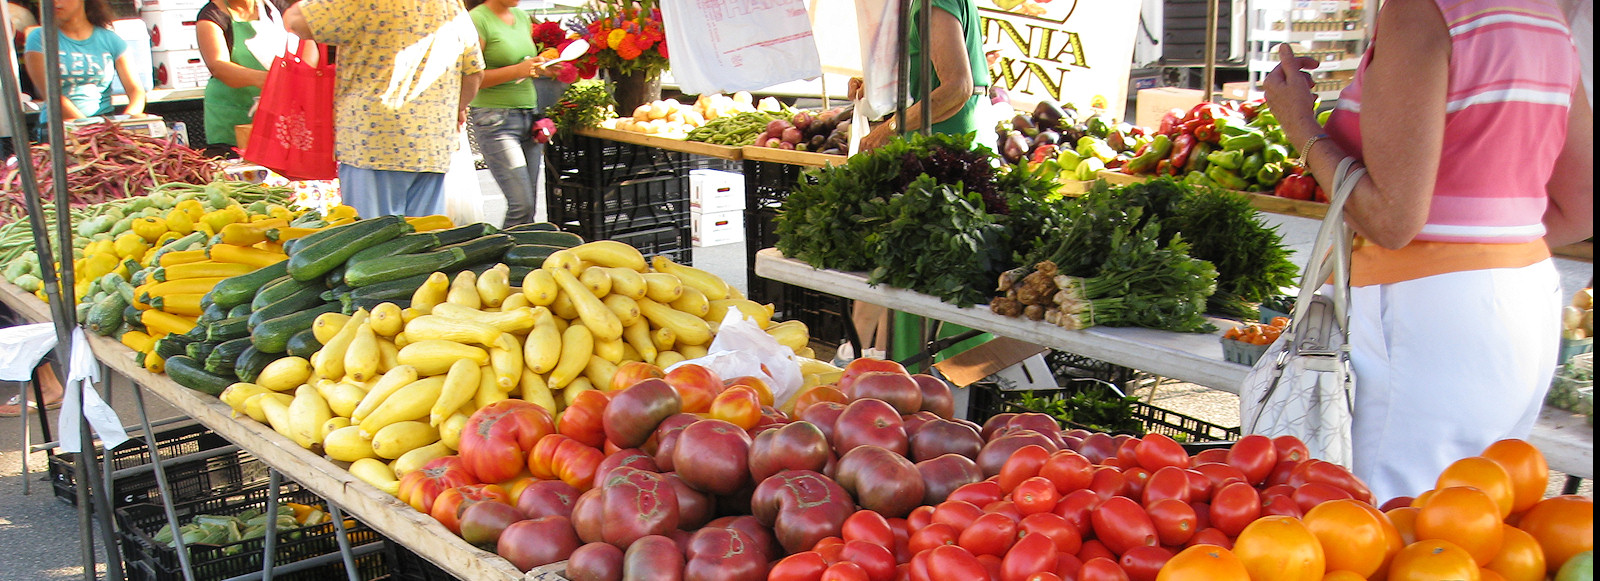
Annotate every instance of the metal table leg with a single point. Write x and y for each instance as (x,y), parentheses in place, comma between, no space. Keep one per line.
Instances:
(344,542)
(161,483)
(27,437)
(269,548)
(102,501)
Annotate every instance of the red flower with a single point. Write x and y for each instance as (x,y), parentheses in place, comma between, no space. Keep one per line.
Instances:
(566,73)
(661,47)
(628,50)
(643,42)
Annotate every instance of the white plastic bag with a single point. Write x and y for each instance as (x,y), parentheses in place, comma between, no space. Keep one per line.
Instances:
(463,200)
(742,348)
(736,45)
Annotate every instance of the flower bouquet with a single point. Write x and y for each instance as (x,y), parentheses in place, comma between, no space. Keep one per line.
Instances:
(625,36)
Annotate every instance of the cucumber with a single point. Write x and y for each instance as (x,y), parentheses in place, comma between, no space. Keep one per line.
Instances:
(170,346)
(221,361)
(401,288)
(557,239)
(273,335)
(190,373)
(403,265)
(250,363)
(529,254)
(491,249)
(303,344)
(199,350)
(533,227)
(408,244)
(228,329)
(461,234)
(306,298)
(316,259)
(238,311)
(276,291)
(240,290)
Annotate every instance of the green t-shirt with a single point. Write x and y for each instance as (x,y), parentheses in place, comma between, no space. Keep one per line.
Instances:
(505,45)
(966,11)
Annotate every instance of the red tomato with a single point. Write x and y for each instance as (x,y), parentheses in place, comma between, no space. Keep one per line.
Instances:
(1218,455)
(1092,549)
(1004,507)
(1280,472)
(1069,471)
(869,526)
(1333,474)
(1127,451)
(802,566)
(1199,485)
(1134,479)
(1202,515)
(1219,475)
(902,541)
(1156,451)
(830,548)
(843,570)
(1106,482)
(876,561)
(991,534)
(496,439)
(1211,536)
(1253,455)
(917,569)
(1290,448)
(1068,539)
(1102,569)
(1170,482)
(1234,507)
(1034,495)
(931,536)
(1075,507)
(1311,494)
(953,563)
(1031,554)
(956,513)
(1022,465)
(991,564)
(1143,563)
(1122,524)
(1281,505)
(1067,566)
(583,418)
(920,517)
(419,488)
(977,493)
(1175,521)
(1044,576)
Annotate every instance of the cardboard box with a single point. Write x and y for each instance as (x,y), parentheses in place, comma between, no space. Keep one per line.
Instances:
(1240,91)
(179,69)
(1151,104)
(716,228)
(192,6)
(715,191)
(137,36)
(171,29)
(987,359)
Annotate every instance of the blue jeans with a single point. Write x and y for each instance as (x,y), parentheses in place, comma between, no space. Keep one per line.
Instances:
(383,192)
(515,159)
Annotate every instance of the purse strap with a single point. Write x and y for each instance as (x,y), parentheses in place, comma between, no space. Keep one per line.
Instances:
(1330,255)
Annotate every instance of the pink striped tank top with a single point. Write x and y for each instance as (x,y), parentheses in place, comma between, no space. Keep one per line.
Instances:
(1513,69)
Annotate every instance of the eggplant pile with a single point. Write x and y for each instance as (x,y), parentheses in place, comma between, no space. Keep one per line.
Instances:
(1025,135)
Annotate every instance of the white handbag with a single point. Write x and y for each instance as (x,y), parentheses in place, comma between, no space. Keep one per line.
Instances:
(1303,386)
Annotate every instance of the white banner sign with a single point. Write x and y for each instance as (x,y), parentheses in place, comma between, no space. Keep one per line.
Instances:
(1070,51)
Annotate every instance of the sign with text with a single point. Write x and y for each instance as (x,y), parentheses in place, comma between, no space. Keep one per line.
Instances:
(1070,51)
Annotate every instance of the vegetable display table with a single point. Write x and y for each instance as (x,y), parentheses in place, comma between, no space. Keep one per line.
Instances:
(1567,442)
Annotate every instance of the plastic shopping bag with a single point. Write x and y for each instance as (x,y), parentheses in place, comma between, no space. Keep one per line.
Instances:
(736,45)
(742,348)
(463,199)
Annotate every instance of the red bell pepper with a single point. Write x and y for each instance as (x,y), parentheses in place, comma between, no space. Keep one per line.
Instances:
(1182,146)
(1208,132)
(1296,187)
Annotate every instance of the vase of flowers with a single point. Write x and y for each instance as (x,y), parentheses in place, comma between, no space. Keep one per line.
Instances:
(627,41)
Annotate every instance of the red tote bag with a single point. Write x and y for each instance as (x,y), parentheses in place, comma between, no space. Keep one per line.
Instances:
(292,132)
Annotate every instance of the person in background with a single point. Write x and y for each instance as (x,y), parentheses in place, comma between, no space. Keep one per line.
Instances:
(238,40)
(503,113)
(407,70)
(90,54)
(1455,303)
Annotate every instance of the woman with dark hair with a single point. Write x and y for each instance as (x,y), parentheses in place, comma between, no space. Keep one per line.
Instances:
(503,112)
(90,53)
(238,40)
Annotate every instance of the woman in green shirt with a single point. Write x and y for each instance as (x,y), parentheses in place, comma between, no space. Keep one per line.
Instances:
(504,111)
(960,73)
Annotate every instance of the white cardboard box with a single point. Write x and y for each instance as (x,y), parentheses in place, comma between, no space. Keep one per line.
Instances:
(191,6)
(171,29)
(716,228)
(179,69)
(715,191)
(1153,103)
(138,53)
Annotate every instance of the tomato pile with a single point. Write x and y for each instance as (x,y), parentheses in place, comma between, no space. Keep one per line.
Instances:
(685,475)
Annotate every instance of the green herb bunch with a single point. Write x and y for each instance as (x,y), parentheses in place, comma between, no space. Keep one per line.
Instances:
(936,239)
(582,106)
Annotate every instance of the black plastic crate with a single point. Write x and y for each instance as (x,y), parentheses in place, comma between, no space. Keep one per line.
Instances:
(189,478)
(147,560)
(766,185)
(627,207)
(406,565)
(603,161)
(1066,366)
(669,241)
(985,400)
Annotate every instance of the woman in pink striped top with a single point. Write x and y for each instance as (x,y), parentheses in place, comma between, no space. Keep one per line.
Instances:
(1477,139)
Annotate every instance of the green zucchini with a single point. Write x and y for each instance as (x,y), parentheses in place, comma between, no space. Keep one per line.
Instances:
(308,240)
(303,344)
(170,346)
(557,239)
(190,373)
(401,288)
(491,248)
(222,359)
(461,234)
(240,290)
(198,350)
(131,317)
(408,244)
(313,260)
(529,254)
(238,311)
(250,363)
(105,316)
(228,329)
(348,305)
(306,298)
(276,291)
(212,312)
(403,265)
(272,336)
(533,227)
(334,277)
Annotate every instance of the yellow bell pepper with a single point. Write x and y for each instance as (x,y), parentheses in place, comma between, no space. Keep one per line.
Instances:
(150,227)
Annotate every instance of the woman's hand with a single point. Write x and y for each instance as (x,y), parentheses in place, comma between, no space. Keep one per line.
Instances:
(855,89)
(880,135)
(536,66)
(1288,90)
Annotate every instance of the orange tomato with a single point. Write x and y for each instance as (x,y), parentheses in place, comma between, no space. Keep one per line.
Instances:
(1343,575)
(739,405)
(816,394)
(1466,517)
(1520,558)
(1563,525)
(1280,548)
(1352,538)
(1404,520)
(1422,499)
(1204,563)
(1526,465)
(1391,535)
(1434,560)
(1490,575)
(1483,474)
(1280,322)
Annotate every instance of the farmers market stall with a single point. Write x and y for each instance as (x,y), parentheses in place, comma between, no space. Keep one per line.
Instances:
(1189,357)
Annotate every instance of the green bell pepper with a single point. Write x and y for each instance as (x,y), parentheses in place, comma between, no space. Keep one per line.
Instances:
(1197,161)
(1225,178)
(1068,159)
(1233,128)
(1097,126)
(1252,164)
(1275,152)
(1226,159)
(1247,142)
(1322,118)
(1145,162)
(1097,148)
(1199,179)
(1265,118)
(1269,175)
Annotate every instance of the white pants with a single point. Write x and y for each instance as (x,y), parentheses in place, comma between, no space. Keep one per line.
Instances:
(1446,365)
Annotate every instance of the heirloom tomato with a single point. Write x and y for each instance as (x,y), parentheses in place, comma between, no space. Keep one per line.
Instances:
(713,456)
(595,562)
(802,507)
(558,456)
(547,498)
(536,542)
(447,506)
(881,480)
(718,554)
(696,385)
(653,558)
(738,405)
(497,438)
(582,419)
(482,523)
(419,488)
(634,413)
(635,504)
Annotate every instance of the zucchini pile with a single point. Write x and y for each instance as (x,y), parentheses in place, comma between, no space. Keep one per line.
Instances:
(249,320)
